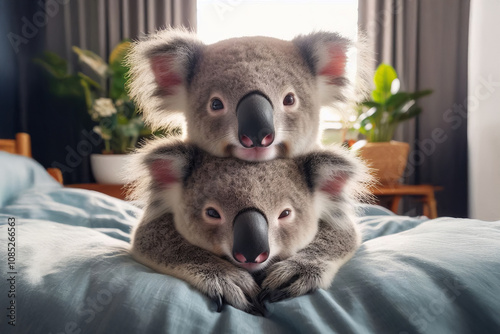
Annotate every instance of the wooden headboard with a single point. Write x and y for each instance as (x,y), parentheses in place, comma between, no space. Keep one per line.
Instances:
(22,146)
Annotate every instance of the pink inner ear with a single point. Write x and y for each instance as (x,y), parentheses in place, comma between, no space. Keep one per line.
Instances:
(165,76)
(163,172)
(334,185)
(337,60)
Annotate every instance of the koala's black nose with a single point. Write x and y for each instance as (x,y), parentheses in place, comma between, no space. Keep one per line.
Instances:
(255,121)
(251,243)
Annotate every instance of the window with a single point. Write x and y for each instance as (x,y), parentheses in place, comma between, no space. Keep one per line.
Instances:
(221,19)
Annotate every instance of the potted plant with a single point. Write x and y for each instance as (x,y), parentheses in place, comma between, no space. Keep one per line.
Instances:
(378,119)
(114,115)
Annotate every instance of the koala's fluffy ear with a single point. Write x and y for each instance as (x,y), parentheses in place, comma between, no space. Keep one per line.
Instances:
(170,164)
(161,67)
(161,163)
(334,173)
(326,55)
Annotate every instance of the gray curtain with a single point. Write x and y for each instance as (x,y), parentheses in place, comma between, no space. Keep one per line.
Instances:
(426,41)
(99,25)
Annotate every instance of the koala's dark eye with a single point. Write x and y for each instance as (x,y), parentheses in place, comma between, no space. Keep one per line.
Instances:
(216,104)
(289,99)
(212,213)
(284,214)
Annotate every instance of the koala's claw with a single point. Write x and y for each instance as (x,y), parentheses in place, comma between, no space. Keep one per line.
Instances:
(254,307)
(289,279)
(278,295)
(258,308)
(219,302)
(228,284)
(273,296)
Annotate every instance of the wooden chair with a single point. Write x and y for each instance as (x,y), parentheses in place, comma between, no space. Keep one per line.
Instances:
(22,146)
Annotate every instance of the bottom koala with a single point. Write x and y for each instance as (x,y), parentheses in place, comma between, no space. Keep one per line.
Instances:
(245,232)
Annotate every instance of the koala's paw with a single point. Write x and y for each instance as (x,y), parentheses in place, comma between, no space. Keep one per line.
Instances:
(233,286)
(292,278)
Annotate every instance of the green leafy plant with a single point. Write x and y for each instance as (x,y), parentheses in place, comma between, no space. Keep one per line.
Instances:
(62,83)
(380,115)
(115,115)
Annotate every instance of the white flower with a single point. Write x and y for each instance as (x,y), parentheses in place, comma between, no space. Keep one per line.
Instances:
(104,107)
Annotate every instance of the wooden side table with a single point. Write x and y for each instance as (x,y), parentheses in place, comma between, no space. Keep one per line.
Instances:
(115,190)
(397,191)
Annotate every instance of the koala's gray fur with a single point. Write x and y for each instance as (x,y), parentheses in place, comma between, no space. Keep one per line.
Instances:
(173,73)
(177,181)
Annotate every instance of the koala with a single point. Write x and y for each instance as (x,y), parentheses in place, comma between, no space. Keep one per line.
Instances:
(245,232)
(254,98)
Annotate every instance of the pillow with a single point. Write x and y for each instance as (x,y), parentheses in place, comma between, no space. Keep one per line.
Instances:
(18,174)
(364,210)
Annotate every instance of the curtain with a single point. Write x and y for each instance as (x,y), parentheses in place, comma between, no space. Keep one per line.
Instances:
(427,43)
(8,75)
(99,25)
(59,130)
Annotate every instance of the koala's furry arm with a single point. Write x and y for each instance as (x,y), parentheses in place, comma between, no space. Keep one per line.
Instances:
(312,267)
(338,236)
(157,244)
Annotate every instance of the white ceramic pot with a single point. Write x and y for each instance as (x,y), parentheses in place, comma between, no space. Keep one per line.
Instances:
(108,168)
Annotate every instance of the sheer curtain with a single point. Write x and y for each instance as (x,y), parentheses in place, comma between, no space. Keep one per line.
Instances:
(427,42)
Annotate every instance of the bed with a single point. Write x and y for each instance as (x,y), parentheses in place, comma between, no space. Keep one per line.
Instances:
(70,272)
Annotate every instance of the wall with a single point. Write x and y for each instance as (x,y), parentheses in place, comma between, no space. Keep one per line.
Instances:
(484,110)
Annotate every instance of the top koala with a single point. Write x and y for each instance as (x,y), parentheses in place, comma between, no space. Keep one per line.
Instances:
(254,98)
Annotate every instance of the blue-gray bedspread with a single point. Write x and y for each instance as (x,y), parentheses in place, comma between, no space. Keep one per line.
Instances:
(71,273)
